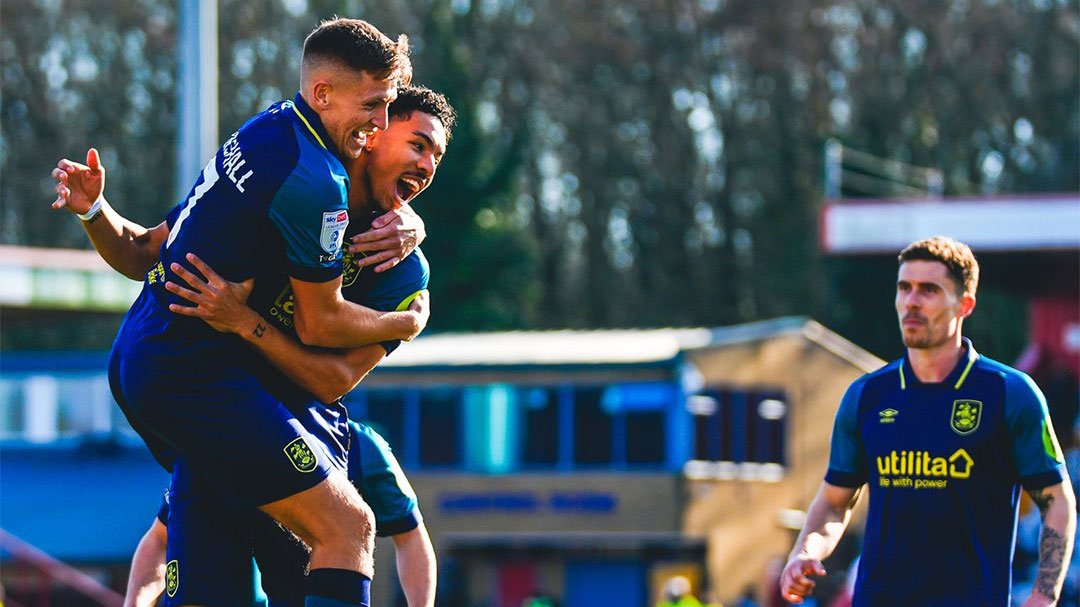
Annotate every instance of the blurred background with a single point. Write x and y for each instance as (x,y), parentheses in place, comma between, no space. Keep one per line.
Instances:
(662,245)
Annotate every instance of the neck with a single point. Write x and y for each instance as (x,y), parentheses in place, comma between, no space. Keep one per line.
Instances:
(361,200)
(932,365)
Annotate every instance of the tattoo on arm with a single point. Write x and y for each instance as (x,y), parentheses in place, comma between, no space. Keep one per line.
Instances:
(1051,561)
(259,329)
(1043,500)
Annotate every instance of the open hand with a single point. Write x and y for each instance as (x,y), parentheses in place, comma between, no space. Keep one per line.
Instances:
(78,185)
(221,303)
(392,237)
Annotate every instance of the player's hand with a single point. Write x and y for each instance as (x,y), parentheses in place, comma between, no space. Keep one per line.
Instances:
(392,237)
(78,185)
(795,582)
(221,303)
(422,307)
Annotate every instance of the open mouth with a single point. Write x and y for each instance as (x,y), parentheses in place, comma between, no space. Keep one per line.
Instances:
(359,137)
(407,187)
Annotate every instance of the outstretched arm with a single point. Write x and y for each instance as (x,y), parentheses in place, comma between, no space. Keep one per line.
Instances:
(1057,506)
(128,247)
(416,566)
(147,577)
(826,520)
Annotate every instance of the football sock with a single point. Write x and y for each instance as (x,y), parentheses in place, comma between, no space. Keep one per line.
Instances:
(337,588)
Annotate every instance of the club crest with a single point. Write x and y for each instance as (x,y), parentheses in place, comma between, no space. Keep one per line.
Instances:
(172,577)
(349,268)
(301,456)
(966,415)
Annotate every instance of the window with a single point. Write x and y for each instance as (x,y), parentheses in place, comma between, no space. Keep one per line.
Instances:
(383,412)
(592,428)
(646,437)
(738,434)
(440,427)
(541,420)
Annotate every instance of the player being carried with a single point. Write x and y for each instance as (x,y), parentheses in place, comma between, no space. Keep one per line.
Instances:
(273,199)
(409,150)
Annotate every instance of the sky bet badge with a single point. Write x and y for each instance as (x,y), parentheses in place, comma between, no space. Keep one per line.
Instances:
(301,455)
(965,416)
(333,231)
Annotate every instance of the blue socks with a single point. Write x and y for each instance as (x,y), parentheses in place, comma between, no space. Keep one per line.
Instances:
(337,588)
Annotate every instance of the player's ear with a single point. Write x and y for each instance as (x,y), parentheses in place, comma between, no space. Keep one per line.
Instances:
(967,305)
(320,93)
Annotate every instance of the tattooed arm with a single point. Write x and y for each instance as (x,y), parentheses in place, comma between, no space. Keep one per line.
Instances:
(1057,506)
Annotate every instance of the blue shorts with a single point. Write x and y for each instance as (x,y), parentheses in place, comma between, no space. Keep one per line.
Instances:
(249,445)
(208,555)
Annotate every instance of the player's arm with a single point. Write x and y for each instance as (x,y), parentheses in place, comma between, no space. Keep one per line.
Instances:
(1039,460)
(324,318)
(313,230)
(1057,507)
(327,374)
(147,578)
(826,520)
(830,511)
(128,247)
(416,566)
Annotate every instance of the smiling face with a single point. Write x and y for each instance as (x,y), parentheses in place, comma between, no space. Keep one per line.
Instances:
(351,105)
(928,305)
(402,159)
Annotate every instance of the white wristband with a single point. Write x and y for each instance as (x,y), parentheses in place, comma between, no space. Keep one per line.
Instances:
(94,210)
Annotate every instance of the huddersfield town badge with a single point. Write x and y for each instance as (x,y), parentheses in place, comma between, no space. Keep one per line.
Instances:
(301,456)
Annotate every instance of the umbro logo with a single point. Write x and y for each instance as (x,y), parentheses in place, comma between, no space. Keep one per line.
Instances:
(888,416)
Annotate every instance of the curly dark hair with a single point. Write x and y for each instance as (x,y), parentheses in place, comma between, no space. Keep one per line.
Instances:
(361,46)
(957,257)
(413,98)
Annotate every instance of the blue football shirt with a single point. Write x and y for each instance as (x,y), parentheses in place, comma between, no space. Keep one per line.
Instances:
(944,463)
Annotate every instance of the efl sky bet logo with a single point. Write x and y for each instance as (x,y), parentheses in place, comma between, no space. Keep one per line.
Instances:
(301,456)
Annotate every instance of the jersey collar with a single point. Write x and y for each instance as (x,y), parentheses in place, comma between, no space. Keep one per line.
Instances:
(953,380)
(312,124)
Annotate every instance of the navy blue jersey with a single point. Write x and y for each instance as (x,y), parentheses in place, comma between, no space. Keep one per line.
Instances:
(272,200)
(944,463)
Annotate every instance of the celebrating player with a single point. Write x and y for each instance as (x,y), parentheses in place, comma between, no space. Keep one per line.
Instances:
(385,177)
(944,438)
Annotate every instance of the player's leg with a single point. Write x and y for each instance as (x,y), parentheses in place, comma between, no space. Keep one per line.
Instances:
(208,554)
(282,559)
(255,452)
